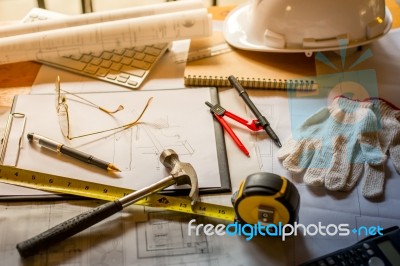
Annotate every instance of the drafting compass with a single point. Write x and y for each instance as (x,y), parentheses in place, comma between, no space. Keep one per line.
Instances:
(219,112)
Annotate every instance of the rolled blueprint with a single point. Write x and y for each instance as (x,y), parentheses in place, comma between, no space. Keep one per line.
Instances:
(97,17)
(161,28)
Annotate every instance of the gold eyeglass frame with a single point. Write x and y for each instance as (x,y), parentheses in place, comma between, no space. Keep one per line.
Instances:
(62,112)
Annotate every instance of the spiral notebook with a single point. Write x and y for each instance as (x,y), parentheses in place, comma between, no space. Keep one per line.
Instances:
(257,70)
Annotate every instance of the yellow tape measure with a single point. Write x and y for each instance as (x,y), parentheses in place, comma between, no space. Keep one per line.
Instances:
(66,185)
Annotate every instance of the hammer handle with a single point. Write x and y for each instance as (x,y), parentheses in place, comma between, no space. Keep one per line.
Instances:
(68,228)
(85,220)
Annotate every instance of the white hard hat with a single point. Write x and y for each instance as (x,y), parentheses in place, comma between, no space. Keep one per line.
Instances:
(306,25)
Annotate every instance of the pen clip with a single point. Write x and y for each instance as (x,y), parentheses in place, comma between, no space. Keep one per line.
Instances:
(18,136)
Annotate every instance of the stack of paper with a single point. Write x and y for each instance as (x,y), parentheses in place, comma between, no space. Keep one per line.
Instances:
(94,32)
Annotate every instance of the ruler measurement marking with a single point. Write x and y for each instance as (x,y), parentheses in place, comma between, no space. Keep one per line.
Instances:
(66,185)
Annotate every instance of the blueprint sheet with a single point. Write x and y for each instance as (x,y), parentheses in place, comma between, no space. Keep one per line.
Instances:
(137,236)
(141,236)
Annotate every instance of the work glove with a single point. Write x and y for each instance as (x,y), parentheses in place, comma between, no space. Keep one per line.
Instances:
(389,138)
(334,144)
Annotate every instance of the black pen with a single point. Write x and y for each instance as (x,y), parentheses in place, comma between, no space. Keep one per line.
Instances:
(61,148)
(260,118)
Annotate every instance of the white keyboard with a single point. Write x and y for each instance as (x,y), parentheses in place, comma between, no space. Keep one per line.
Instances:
(126,67)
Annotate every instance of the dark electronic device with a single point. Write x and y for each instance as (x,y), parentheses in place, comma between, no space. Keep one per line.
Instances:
(378,250)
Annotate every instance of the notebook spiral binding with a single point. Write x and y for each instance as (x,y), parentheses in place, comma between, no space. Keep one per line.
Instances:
(252,83)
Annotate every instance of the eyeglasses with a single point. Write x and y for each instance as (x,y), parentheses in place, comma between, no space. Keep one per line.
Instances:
(63,115)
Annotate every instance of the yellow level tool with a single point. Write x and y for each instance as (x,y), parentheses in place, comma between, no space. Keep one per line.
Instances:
(66,185)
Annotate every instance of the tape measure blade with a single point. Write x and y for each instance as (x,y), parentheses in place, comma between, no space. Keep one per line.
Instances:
(182,204)
(66,185)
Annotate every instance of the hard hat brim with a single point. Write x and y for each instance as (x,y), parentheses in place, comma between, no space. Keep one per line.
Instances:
(235,26)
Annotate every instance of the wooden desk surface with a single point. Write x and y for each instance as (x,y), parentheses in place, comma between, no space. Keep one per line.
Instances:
(18,78)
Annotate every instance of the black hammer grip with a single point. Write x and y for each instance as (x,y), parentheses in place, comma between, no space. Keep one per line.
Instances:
(68,228)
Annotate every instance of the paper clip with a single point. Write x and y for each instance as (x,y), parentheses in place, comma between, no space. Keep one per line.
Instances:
(219,112)
(7,133)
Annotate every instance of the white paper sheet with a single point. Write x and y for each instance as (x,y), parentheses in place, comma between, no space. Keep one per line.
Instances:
(160,28)
(173,120)
(62,21)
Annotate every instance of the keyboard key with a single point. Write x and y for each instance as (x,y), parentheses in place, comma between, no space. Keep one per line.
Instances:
(106,63)
(140,64)
(152,51)
(330,261)
(132,82)
(112,75)
(129,53)
(76,65)
(76,56)
(102,72)
(140,48)
(116,66)
(116,58)
(86,58)
(119,51)
(160,45)
(96,54)
(139,56)
(106,55)
(124,75)
(91,69)
(126,61)
(96,61)
(122,79)
(149,58)
(133,71)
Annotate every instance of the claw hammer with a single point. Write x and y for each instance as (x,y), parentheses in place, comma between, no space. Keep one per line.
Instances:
(181,174)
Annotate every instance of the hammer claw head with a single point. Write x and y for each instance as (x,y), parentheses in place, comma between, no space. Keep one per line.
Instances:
(169,158)
(183,173)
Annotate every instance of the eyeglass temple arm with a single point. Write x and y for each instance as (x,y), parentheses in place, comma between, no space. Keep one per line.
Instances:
(131,124)
(119,108)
